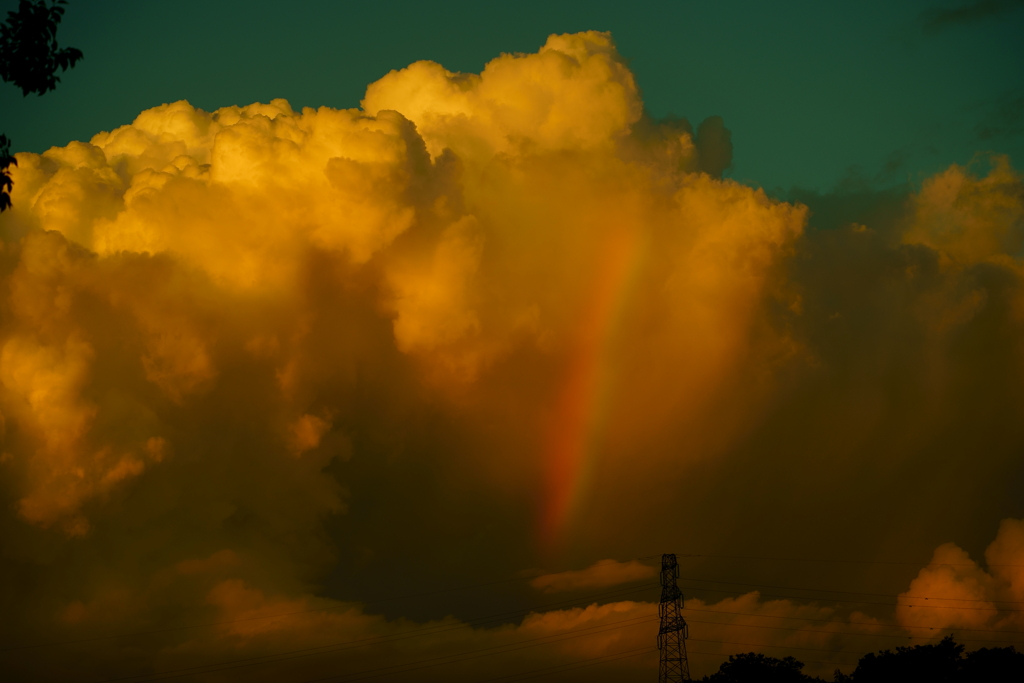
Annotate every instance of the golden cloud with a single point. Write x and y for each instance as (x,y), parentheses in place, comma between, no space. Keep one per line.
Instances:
(502,301)
(601,574)
(954,591)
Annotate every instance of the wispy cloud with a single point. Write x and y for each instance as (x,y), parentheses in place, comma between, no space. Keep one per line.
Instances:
(599,575)
(1005,119)
(936,19)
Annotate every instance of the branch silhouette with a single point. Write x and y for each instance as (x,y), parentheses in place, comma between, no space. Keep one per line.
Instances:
(30,58)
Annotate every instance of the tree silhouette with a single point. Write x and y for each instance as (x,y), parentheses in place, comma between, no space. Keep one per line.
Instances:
(939,663)
(6,160)
(993,665)
(943,662)
(30,58)
(757,668)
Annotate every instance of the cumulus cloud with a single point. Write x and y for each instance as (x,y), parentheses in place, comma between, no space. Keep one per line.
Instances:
(194,232)
(599,575)
(954,591)
(970,220)
(260,366)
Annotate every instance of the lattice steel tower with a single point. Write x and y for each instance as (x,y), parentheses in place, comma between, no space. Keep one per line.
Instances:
(673,632)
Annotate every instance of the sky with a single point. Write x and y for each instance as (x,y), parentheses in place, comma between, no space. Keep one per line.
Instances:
(339,339)
(810,90)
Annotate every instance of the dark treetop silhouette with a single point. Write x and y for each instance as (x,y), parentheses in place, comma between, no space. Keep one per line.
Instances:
(758,667)
(943,662)
(29,58)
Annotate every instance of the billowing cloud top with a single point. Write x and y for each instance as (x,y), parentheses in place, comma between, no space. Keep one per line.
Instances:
(499,216)
(239,345)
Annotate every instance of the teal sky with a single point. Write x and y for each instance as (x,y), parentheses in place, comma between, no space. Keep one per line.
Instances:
(814,92)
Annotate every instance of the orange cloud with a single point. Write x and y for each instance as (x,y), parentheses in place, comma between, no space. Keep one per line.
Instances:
(498,315)
(954,591)
(599,575)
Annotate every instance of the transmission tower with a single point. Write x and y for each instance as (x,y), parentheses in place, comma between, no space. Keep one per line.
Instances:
(673,632)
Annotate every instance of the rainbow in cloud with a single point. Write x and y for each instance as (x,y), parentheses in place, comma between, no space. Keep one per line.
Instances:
(581,400)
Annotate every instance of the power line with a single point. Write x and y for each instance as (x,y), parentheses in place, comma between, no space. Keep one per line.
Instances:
(818,630)
(351,605)
(497,649)
(594,630)
(859,623)
(625,654)
(816,597)
(437,629)
(347,605)
(633,653)
(877,595)
(364,642)
(454,658)
(779,647)
(601,628)
(567,666)
(552,638)
(844,561)
(433,630)
(804,661)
